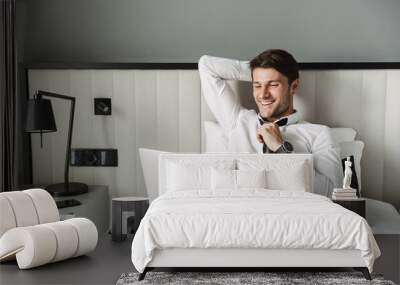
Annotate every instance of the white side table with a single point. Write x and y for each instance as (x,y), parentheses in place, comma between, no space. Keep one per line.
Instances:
(95,205)
(124,208)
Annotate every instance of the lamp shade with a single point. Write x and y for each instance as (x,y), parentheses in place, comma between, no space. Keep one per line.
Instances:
(40,117)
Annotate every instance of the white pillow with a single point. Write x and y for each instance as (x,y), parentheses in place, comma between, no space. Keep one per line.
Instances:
(188,171)
(251,179)
(293,179)
(186,177)
(237,179)
(149,161)
(215,138)
(284,171)
(223,179)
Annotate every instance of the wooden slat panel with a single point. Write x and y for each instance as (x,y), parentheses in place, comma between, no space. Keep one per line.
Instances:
(123,111)
(42,163)
(167,124)
(145,93)
(189,111)
(392,139)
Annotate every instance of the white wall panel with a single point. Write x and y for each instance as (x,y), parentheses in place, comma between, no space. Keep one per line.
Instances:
(371,132)
(167,124)
(123,106)
(145,90)
(304,101)
(81,89)
(326,103)
(103,128)
(392,139)
(189,103)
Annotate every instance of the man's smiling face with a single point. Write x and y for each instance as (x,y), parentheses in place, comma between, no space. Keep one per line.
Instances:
(272,93)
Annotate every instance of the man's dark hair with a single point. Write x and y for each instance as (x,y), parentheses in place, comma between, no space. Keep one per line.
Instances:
(278,59)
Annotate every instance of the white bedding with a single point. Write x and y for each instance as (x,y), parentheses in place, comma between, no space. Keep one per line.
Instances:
(251,218)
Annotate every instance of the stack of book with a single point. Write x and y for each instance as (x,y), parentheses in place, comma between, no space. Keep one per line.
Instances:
(344,194)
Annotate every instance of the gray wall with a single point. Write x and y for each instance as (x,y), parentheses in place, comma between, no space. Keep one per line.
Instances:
(183,30)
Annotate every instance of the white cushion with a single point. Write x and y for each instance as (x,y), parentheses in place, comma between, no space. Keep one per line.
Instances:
(187,177)
(23,208)
(284,171)
(45,205)
(7,220)
(32,246)
(40,244)
(236,179)
(87,233)
(292,179)
(35,244)
(190,171)
(223,179)
(251,179)
(67,240)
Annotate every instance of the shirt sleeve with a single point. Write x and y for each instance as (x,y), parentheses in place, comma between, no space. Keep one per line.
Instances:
(326,163)
(222,100)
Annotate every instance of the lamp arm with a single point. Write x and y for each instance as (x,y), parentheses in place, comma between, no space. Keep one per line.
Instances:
(39,94)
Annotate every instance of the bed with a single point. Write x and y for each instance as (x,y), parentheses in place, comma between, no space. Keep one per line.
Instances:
(246,211)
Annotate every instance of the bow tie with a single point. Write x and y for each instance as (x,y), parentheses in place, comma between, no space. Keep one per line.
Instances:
(281,122)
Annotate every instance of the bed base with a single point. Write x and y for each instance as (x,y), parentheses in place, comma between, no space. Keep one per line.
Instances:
(250,259)
(364,270)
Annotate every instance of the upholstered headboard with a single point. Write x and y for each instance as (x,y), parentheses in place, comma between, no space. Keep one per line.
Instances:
(160,106)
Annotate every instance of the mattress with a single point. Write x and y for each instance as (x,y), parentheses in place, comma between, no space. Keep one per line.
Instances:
(250,219)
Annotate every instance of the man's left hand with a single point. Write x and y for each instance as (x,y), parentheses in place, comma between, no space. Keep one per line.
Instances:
(270,134)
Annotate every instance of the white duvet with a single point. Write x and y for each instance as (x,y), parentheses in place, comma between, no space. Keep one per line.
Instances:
(250,219)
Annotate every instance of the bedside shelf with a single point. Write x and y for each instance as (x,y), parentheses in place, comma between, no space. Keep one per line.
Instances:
(95,205)
(356,205)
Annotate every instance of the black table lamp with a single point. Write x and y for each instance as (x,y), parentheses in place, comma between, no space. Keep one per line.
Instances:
(40,119)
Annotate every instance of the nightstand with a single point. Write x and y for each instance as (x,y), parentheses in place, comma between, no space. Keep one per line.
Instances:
(126,212)
(95,205)
(356,205)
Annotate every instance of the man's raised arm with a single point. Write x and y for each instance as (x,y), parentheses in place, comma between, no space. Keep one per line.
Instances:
(221,99)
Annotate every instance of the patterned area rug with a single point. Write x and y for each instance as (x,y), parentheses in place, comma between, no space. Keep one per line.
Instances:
(242,278)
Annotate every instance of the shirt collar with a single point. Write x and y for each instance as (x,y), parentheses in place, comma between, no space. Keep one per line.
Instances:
(284,121)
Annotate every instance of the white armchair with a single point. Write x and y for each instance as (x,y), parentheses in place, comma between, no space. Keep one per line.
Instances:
(31,230)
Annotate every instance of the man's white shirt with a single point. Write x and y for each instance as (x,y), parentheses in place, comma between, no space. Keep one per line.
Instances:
(240,124)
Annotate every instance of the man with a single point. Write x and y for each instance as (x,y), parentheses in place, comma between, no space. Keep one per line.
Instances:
(276,127)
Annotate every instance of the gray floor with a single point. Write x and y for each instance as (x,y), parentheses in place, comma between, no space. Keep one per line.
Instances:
(103,266)
(111,259)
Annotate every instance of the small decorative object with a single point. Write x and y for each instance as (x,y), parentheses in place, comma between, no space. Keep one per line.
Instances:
(102,106)
(347,174)
(345,193)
